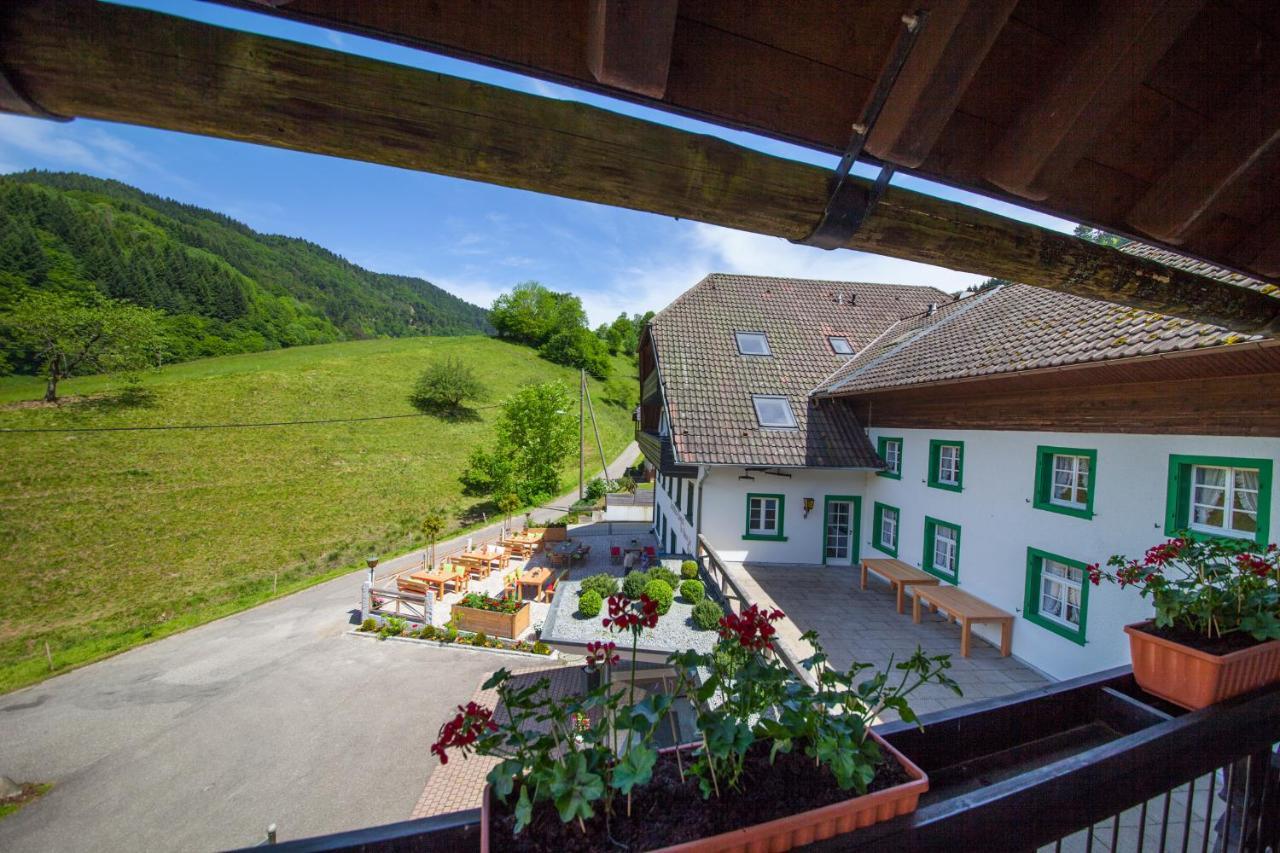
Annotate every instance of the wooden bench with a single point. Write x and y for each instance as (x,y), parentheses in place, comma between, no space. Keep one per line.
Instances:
(960,606)
(412,586)
(898,574)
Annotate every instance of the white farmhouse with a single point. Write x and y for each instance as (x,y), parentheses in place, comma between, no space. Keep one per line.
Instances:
(1000,442)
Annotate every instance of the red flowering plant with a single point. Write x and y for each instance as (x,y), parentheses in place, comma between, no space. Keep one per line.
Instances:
(574,753)
(1210,587)
(751,696)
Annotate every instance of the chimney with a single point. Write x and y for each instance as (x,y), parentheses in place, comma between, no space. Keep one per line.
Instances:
(933,306)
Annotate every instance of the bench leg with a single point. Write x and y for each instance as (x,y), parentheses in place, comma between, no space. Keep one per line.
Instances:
(864,577)
(1006,638)
(964,638)
(915,609)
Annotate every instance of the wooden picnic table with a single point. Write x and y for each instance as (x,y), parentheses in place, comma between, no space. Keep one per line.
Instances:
(960,605)
(534,578)
(439,577)
(483,559)
(900,575)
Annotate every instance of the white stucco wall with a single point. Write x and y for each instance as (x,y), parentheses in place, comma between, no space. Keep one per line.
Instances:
(997,520)
(998,523)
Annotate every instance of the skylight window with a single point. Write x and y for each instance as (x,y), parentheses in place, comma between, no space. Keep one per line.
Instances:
(840,346)
(774,412)
(753,343)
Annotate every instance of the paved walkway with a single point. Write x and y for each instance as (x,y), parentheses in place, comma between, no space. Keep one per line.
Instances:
(200,740)
(865,626)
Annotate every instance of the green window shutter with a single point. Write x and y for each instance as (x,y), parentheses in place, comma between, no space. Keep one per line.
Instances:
(1032,597)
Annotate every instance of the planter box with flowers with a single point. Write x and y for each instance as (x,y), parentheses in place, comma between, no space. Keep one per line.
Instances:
(787,763)
(497,617)
(1216,633)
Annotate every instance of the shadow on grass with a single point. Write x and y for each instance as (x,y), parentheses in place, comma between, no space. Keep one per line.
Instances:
(452,414)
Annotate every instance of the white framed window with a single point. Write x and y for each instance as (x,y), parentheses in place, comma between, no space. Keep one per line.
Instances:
(946,548)
(764,516)
(1060,593)
(773,411)
(840,346)
(893,455)
(1224,501)
(1070,486)
(949,464)
(888,528)
(753,343)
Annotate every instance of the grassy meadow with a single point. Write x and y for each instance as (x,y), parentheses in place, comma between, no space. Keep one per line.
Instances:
(109,539)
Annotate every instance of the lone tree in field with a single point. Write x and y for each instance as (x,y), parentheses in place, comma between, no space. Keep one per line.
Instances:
(68,337)
(445,386)
(537,435)
(507,504)
(433,525)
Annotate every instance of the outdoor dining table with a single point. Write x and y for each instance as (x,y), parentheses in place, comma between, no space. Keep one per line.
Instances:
(482,559)
(438,578)
(532,578)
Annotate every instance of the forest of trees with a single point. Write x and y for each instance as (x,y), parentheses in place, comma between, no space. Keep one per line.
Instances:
(222,287)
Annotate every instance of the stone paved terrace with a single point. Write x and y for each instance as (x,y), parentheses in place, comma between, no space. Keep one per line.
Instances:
(864,625)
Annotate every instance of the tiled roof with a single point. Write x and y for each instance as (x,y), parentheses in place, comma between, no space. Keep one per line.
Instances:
(708,385)
(1018,327)
(1173,259)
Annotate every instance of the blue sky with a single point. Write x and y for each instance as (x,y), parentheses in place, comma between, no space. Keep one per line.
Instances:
(475,240)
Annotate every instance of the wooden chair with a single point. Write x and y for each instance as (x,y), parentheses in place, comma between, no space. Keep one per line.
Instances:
(615,555)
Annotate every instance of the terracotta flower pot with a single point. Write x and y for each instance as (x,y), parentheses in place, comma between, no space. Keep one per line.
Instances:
(802,828)
(1194,679)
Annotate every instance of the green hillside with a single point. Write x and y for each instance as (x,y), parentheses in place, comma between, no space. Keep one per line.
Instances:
(225,287)
(110,538)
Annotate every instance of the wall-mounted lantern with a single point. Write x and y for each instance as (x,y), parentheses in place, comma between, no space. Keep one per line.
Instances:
(808,506)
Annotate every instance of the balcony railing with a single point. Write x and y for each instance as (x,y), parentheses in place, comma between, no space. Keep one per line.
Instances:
(1089,764)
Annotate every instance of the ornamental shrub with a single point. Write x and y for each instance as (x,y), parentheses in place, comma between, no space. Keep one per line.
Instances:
(589,604)
(689,570)
(479,638)
(662,573)
(660,591)
(693,591)
(369,624)
(634,583)
(602,584)
(541,648)
(707,615)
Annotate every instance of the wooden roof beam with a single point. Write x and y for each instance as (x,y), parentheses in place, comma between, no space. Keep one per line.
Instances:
(1098,75)
(116,63)
(629,44)
(956,38)
(1228,146)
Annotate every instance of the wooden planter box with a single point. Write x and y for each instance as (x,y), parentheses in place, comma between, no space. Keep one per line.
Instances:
(800,829)
(555,534)
(1194,679)
(507,625)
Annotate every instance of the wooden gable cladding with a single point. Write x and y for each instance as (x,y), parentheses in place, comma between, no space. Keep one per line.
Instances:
(1233,392)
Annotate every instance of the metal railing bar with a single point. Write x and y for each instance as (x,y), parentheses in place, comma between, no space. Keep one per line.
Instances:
(1208,812)
(1142,825)
(1115,832)
(1164,820)
(1088,839)
(1186,824)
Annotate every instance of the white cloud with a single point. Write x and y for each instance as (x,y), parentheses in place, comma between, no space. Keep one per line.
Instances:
(77,145)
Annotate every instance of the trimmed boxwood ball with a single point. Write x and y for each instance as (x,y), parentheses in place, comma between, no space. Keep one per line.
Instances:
(707,614)
(662,573)
(634,583)
(589,604)
(693,591)
(689,570)
(605,585)
(661,592)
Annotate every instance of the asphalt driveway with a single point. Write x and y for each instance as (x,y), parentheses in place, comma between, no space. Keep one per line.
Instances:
(201,740)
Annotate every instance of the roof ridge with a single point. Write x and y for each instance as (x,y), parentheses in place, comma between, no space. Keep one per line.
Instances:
(924,333)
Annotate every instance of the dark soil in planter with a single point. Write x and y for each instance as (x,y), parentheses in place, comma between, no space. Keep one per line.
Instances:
(667,811)
(1232,642)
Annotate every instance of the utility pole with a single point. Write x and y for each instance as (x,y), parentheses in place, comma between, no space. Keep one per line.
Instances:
(582,434)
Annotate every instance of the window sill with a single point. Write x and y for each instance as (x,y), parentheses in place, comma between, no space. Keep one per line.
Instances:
(1061,630)
(938,573)
(946,487)
(889,475)
(892,552)
(1048,506)
(761,537)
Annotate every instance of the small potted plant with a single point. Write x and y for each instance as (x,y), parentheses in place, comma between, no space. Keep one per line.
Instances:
(788,761)
(1216,631)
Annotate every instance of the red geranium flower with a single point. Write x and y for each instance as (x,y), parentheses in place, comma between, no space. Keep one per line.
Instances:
(601,654)
(461,732)
(752,628)
(627,615)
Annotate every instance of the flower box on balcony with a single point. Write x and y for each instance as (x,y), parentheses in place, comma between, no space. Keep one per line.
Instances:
(1194,679)
(778,834)
(494,616)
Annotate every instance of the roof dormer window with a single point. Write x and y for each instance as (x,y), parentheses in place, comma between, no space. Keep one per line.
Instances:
(840,346)
(753,343)
(773,412)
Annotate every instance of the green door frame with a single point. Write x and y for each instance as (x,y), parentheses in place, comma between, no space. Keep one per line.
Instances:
(855,534)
